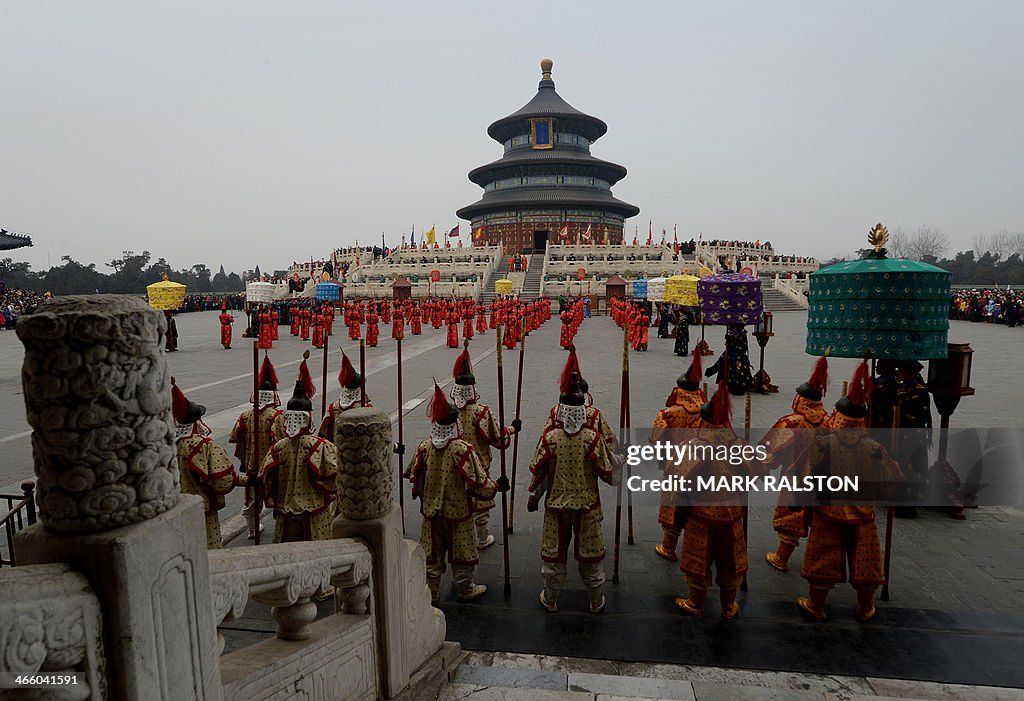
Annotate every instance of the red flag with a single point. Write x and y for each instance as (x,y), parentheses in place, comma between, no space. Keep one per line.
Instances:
(650,231)
(454,231)
(564,233)
(675,234)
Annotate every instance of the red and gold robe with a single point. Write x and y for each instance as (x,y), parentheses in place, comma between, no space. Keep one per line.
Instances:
(845,533)
(566,469)
(206,471)
(226,320)
(789,442)
(682,412)
(300,475)
(446,481)
(481,430)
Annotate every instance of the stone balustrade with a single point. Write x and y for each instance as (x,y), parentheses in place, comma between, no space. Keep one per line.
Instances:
(793,288)
(287,576)
(50,624)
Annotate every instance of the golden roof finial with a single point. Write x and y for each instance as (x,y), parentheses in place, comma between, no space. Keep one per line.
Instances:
(878,237)
(545,68)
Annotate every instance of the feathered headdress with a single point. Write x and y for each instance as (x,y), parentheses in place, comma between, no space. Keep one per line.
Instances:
(267,378)
(815,387)
(438,407)
(691,380)
(347,378)
(861,385)
(463,369)
(572,366)
(721,408)
(179,405)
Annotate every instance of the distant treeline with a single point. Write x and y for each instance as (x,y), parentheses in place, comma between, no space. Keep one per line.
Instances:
(128,274)
(985,271)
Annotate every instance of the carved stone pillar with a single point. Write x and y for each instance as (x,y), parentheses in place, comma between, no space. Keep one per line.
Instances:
(409,629)
(97,396)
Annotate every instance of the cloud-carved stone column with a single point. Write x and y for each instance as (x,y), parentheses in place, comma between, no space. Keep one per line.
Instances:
(97,396)
(409,629)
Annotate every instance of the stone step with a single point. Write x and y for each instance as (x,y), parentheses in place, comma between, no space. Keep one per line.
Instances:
(513,677)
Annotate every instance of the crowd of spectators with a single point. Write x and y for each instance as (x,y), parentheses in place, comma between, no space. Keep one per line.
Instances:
(212,301)
(994,306)
(766,245)
(14,302)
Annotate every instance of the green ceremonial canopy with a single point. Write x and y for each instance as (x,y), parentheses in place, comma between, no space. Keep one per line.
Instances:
(894,308)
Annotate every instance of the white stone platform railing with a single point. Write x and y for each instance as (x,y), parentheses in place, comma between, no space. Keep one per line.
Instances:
(50,624)
(793,288)
(287,576)
(337,653)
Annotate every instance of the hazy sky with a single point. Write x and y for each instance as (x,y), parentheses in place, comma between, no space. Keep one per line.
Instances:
(258,132)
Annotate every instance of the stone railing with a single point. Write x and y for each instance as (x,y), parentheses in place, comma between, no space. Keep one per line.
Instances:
(111,517)
(50,624)
(287,577)
(793,288)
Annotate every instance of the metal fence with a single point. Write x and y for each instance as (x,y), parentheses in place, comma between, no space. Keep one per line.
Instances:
(21,513)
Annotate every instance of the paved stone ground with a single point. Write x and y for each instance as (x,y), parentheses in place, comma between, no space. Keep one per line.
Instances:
(965,577)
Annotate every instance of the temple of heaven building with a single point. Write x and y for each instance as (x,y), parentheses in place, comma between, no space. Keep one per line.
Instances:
(547,184)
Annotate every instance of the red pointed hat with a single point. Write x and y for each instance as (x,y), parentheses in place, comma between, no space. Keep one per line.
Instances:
(179,405)
(718,411)
(815,387)
(463,369)
(856,403)
(439,409)
(348,377)
(572,367)
(267,378)
(691,380)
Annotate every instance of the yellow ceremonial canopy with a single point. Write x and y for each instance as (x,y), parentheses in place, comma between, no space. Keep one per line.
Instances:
(681,289)
(503,287)
(166,295)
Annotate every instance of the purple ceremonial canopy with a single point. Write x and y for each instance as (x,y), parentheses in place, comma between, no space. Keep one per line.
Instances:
(730,299)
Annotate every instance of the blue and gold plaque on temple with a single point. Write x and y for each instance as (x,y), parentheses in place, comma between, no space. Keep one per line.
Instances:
(542,133)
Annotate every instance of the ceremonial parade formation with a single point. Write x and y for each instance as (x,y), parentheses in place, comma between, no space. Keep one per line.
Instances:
(544,396)
(291,466)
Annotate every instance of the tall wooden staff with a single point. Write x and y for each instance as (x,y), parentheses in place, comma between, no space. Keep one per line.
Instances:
(323,397)
(257,492)
(362,372)
(746,496)
(890,510)
(401,443)
(629,470)
(515,438)
(504,495)
(622,439)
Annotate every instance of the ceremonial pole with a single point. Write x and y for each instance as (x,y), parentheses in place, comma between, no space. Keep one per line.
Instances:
(255,468)
(622,440)
(629,469)
(362,372)
(515,438)
(504,495)
(323,397)
(890,510)
(401,443)
(746,495)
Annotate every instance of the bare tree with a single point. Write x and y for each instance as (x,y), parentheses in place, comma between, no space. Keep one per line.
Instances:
(899,240)
(927,244)
(980,244)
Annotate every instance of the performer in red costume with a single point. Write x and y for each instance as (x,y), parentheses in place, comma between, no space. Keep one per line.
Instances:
(226,320)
